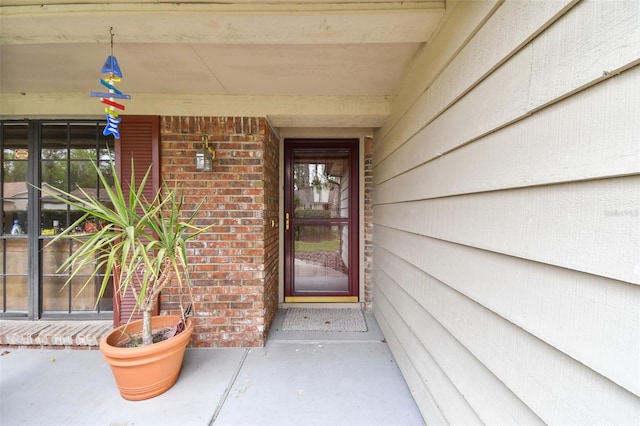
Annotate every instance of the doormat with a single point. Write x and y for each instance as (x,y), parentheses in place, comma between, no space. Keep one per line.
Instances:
(310,319)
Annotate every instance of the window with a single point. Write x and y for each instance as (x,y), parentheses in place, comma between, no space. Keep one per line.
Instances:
(52,155)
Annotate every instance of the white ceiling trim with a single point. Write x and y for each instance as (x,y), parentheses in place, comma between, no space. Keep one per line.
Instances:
(306,23)
(283,111)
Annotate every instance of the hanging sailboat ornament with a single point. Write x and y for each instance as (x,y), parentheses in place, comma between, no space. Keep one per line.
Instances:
(113,75)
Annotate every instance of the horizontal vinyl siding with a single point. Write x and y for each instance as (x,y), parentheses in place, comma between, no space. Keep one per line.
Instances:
(507,216)
(499,36)
(572,225)
(531,151)
(466,390)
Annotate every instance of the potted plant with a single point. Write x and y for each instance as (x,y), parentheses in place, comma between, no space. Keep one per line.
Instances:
(141,243)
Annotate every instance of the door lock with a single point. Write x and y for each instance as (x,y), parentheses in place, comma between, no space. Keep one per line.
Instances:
(286,221)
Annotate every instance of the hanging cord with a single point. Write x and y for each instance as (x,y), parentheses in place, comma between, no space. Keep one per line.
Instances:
(112,77)
(111,32)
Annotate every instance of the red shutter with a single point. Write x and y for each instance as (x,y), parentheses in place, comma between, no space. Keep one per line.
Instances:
(140,140)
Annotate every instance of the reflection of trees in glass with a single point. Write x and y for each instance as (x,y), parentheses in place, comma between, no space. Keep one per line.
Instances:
(13,171)
(307,175)
(300,176)
(73,173)
(70,174)
(81,172)
(55,173)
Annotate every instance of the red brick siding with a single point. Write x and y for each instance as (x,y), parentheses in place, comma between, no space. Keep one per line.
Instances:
(271,150)
(235,266)
(368,220)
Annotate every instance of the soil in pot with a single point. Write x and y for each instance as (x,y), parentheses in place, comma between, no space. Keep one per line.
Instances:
(135,341)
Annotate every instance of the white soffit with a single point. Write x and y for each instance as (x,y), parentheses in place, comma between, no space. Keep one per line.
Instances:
(305,50)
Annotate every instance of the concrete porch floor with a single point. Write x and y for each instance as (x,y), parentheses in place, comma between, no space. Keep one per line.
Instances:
(298,378)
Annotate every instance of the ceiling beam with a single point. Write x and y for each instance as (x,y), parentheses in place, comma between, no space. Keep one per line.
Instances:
(427,3)
(235,23)
(282,111)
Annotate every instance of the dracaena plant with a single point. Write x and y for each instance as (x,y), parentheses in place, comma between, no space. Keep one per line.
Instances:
(141,243)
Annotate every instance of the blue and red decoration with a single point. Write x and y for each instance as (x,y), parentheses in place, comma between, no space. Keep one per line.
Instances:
(114,75)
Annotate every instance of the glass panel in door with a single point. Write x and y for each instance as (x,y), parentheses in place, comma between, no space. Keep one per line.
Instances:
(321,261)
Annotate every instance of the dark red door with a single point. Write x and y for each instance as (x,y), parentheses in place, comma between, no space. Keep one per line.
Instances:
(321,220)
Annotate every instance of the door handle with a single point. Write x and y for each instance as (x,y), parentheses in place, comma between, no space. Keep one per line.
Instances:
(286,221)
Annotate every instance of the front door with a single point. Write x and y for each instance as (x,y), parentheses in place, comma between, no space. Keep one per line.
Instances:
(321,220)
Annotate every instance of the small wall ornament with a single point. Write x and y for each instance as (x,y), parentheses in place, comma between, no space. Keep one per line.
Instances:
(113,75)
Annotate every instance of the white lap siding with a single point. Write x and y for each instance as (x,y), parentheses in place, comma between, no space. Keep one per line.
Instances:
(507,215)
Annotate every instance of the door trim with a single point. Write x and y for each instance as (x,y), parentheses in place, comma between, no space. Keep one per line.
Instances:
(321,299)
(353,144)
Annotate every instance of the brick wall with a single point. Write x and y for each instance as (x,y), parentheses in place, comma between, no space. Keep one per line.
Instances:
(271,157)
(235,266)
(368,221)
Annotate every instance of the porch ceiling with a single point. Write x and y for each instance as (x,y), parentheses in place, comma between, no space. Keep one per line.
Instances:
(301,63)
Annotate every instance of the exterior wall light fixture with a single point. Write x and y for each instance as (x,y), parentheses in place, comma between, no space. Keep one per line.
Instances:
(205,156)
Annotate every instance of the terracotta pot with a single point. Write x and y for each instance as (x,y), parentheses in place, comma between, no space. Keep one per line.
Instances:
(146,371)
